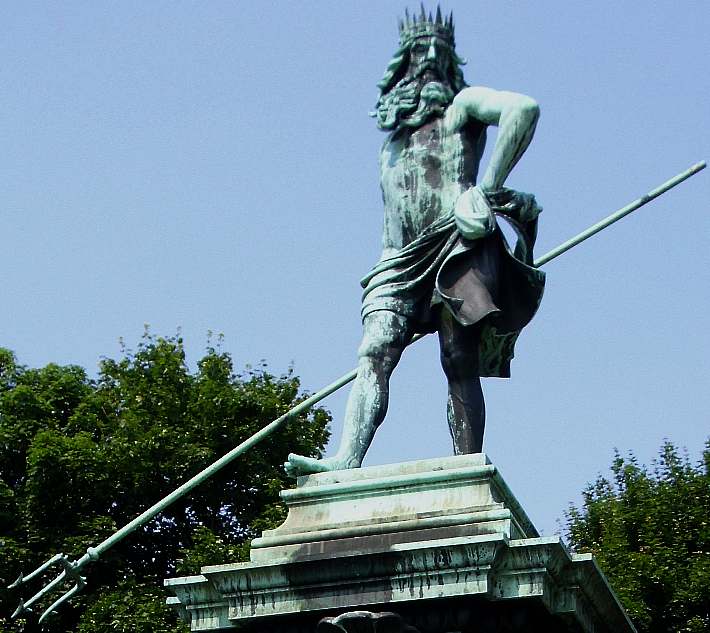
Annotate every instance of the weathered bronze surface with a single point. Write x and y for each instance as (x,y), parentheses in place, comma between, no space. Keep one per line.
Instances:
(445,263)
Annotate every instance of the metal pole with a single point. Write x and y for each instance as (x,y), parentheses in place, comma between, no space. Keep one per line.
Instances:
(345,379)
(71,569)
(158,507)
(615,217)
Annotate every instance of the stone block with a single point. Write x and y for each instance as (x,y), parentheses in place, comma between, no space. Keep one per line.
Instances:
(434,546)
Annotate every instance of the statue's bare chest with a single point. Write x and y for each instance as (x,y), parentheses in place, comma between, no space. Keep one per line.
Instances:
(422,173)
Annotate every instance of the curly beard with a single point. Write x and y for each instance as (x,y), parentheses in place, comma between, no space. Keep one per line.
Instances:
(411,102)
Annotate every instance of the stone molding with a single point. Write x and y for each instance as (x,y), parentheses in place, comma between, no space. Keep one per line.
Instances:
(446,536)
(338,511)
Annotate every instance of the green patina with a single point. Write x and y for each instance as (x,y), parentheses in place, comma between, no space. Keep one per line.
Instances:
(445,265)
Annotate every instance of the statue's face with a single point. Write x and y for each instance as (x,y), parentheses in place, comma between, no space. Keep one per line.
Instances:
(429,59)
(423,89)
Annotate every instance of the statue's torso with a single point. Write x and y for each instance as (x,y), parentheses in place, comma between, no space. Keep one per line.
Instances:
(422,173)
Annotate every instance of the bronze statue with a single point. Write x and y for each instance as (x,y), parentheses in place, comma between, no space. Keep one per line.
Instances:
(445,265)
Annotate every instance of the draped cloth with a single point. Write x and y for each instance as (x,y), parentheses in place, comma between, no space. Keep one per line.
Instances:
(477,280)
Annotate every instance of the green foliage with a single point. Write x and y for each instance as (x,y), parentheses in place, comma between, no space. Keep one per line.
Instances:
(209,549)
(129,608)
(650,532)
(80,457)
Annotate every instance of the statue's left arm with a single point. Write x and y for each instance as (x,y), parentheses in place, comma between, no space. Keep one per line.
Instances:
(516,117)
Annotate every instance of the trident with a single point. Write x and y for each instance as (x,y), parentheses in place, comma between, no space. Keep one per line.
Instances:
(70,572)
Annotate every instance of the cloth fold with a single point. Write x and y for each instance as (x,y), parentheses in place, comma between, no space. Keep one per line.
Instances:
(479,280)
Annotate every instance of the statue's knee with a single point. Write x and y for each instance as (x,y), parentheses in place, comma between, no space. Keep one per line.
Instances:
(379,354)
(384,338)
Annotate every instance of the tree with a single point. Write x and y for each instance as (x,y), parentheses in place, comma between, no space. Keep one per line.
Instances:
(649,530)
(80,457)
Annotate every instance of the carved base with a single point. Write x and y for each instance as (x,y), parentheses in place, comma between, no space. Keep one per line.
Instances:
(436,546)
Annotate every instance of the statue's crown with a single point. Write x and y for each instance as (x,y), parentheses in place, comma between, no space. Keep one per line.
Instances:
(426,25)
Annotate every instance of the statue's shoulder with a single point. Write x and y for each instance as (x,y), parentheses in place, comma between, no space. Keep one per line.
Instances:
(467,100)
(474,92)
(462,115)
(487,104)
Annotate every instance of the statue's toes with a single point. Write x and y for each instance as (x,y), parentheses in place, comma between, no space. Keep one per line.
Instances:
(291,470)
(295,465)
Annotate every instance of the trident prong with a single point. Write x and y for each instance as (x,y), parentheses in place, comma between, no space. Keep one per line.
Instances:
(70,571)
(22,579)
(21,608)
(24,606)
(80,584)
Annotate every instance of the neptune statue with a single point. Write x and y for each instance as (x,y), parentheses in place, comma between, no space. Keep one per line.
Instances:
(446,266)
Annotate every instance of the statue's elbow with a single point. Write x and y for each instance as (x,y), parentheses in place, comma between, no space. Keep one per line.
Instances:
(529,108)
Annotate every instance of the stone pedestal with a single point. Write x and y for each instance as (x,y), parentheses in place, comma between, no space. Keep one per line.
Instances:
(434,546)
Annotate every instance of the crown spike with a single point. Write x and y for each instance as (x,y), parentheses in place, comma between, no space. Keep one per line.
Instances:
(419,23)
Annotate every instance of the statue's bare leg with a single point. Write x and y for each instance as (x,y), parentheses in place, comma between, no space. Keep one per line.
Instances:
(466,411)
(385,335)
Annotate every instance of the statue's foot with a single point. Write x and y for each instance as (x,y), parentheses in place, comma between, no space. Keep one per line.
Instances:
(298,465)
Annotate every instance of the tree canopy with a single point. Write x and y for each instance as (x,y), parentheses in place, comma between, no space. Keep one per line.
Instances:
(649,529)
(81,457)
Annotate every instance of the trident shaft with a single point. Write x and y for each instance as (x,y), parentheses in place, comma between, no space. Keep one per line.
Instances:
(70,569)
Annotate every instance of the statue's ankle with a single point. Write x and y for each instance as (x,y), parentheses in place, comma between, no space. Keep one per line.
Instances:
(352,461)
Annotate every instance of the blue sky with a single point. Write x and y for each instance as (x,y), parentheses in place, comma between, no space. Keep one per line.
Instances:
(211,166)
